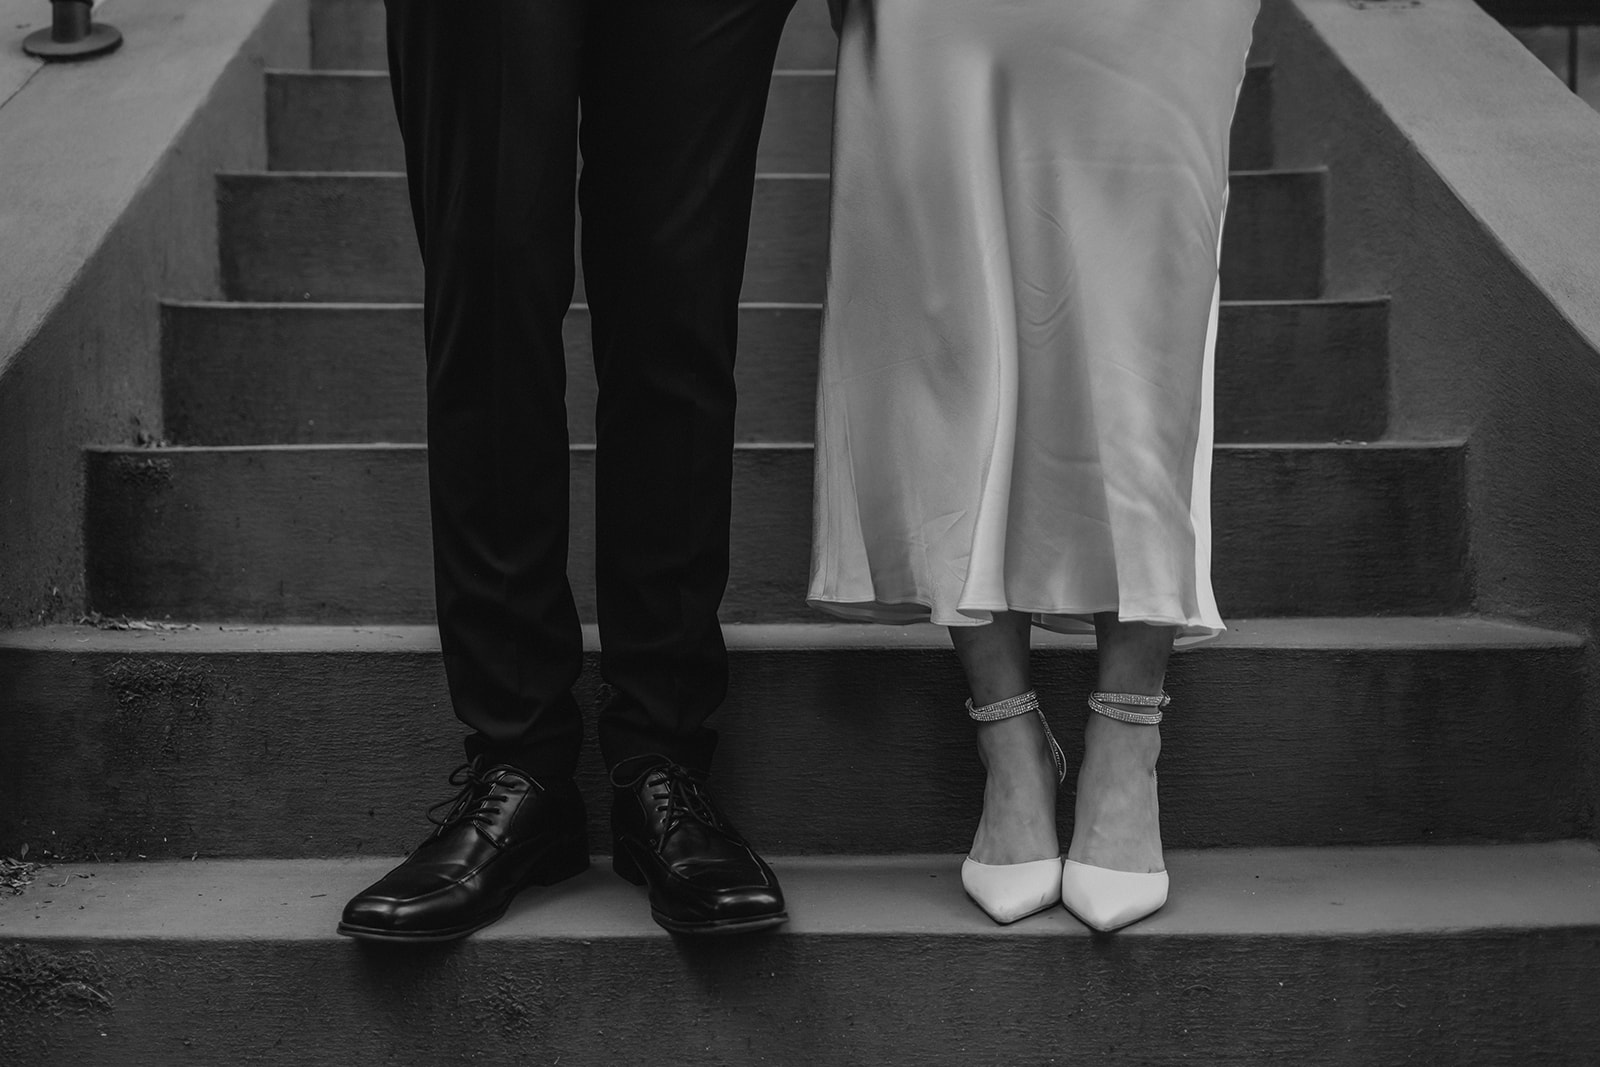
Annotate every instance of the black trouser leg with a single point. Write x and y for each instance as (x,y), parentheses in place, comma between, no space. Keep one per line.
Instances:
(487,96)
(673,98)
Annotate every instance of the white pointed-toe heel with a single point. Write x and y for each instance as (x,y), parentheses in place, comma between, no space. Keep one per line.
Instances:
(1012,891)
(1101,898)
(1108,900)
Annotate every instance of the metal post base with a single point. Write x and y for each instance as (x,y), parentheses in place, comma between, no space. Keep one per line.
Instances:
(99,40)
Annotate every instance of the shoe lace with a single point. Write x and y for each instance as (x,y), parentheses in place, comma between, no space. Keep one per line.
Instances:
(682,793)
(475,803)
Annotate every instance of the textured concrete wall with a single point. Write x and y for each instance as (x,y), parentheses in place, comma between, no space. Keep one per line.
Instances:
(1466,184)
(107,203)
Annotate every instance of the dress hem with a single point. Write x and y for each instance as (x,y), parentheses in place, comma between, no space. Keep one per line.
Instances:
(1057,620)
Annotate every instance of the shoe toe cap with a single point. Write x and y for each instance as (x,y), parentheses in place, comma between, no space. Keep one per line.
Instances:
(1012,891)
(1106,900)
(373,912)
(417,905)
(749,902)
(717,901)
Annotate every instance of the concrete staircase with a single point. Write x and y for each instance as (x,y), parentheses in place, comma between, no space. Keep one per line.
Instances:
(1369,792)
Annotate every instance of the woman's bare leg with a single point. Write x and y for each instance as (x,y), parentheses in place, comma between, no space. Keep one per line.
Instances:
(1116,821)
(1019,800)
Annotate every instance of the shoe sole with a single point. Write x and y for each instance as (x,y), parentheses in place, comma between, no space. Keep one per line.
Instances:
(719,927)
(368,933)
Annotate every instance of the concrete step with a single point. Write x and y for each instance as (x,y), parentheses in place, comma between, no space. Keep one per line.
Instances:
(348,237)
(349,35)
(245,374)
(344,121)
(1487,956)
(339,533)
(318,741)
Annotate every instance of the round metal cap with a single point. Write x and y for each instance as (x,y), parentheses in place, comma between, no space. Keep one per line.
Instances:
(101,39)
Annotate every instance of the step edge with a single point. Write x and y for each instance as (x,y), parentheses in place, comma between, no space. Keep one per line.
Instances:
(1432,446)
(1398,633)
(1291,892)
(321,74)
(1362,302)
(356,74)
(1253,66)
(255,174)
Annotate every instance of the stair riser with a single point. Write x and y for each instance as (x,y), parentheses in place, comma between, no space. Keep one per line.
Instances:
(237,375)
(349,35)
(349,237)
(341,535)
(823,750)
(1514,998)
(309,374)
(345,122)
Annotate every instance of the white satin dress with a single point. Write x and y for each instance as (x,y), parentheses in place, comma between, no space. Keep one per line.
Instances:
(1014,407)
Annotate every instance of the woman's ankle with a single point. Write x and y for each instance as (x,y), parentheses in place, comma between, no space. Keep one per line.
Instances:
(1116,816)
(1014,744)
(1105,737)
(1019,801)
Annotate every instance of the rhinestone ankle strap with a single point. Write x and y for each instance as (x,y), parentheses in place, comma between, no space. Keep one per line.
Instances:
(1005,709)
(1021,705)
(1100,703)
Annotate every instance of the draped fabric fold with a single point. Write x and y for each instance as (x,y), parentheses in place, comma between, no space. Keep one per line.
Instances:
(1014,406)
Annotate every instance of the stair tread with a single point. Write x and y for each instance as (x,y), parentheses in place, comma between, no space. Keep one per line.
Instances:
(795,305)
(1390,445)
(1254,64)
(1388,633)
(396,175)
(1293,892)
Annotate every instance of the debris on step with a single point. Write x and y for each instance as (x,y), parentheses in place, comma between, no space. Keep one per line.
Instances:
(17,875)
(122,622)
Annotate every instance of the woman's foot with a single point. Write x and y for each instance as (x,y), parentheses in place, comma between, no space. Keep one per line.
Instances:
(1117,819)
(1019,799)
(1014,868)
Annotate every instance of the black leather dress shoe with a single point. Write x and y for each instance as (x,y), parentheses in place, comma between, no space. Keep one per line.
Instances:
(503,832)
(667,833)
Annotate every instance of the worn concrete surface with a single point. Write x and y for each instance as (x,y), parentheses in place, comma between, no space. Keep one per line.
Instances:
(1465,183)
(1482,956)
(348,237)
(340,533)
(344,121)
(287,373)
(18,18)
(1457,633)
(106,178)
(318,741)
(1290,892)
(1470,192)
